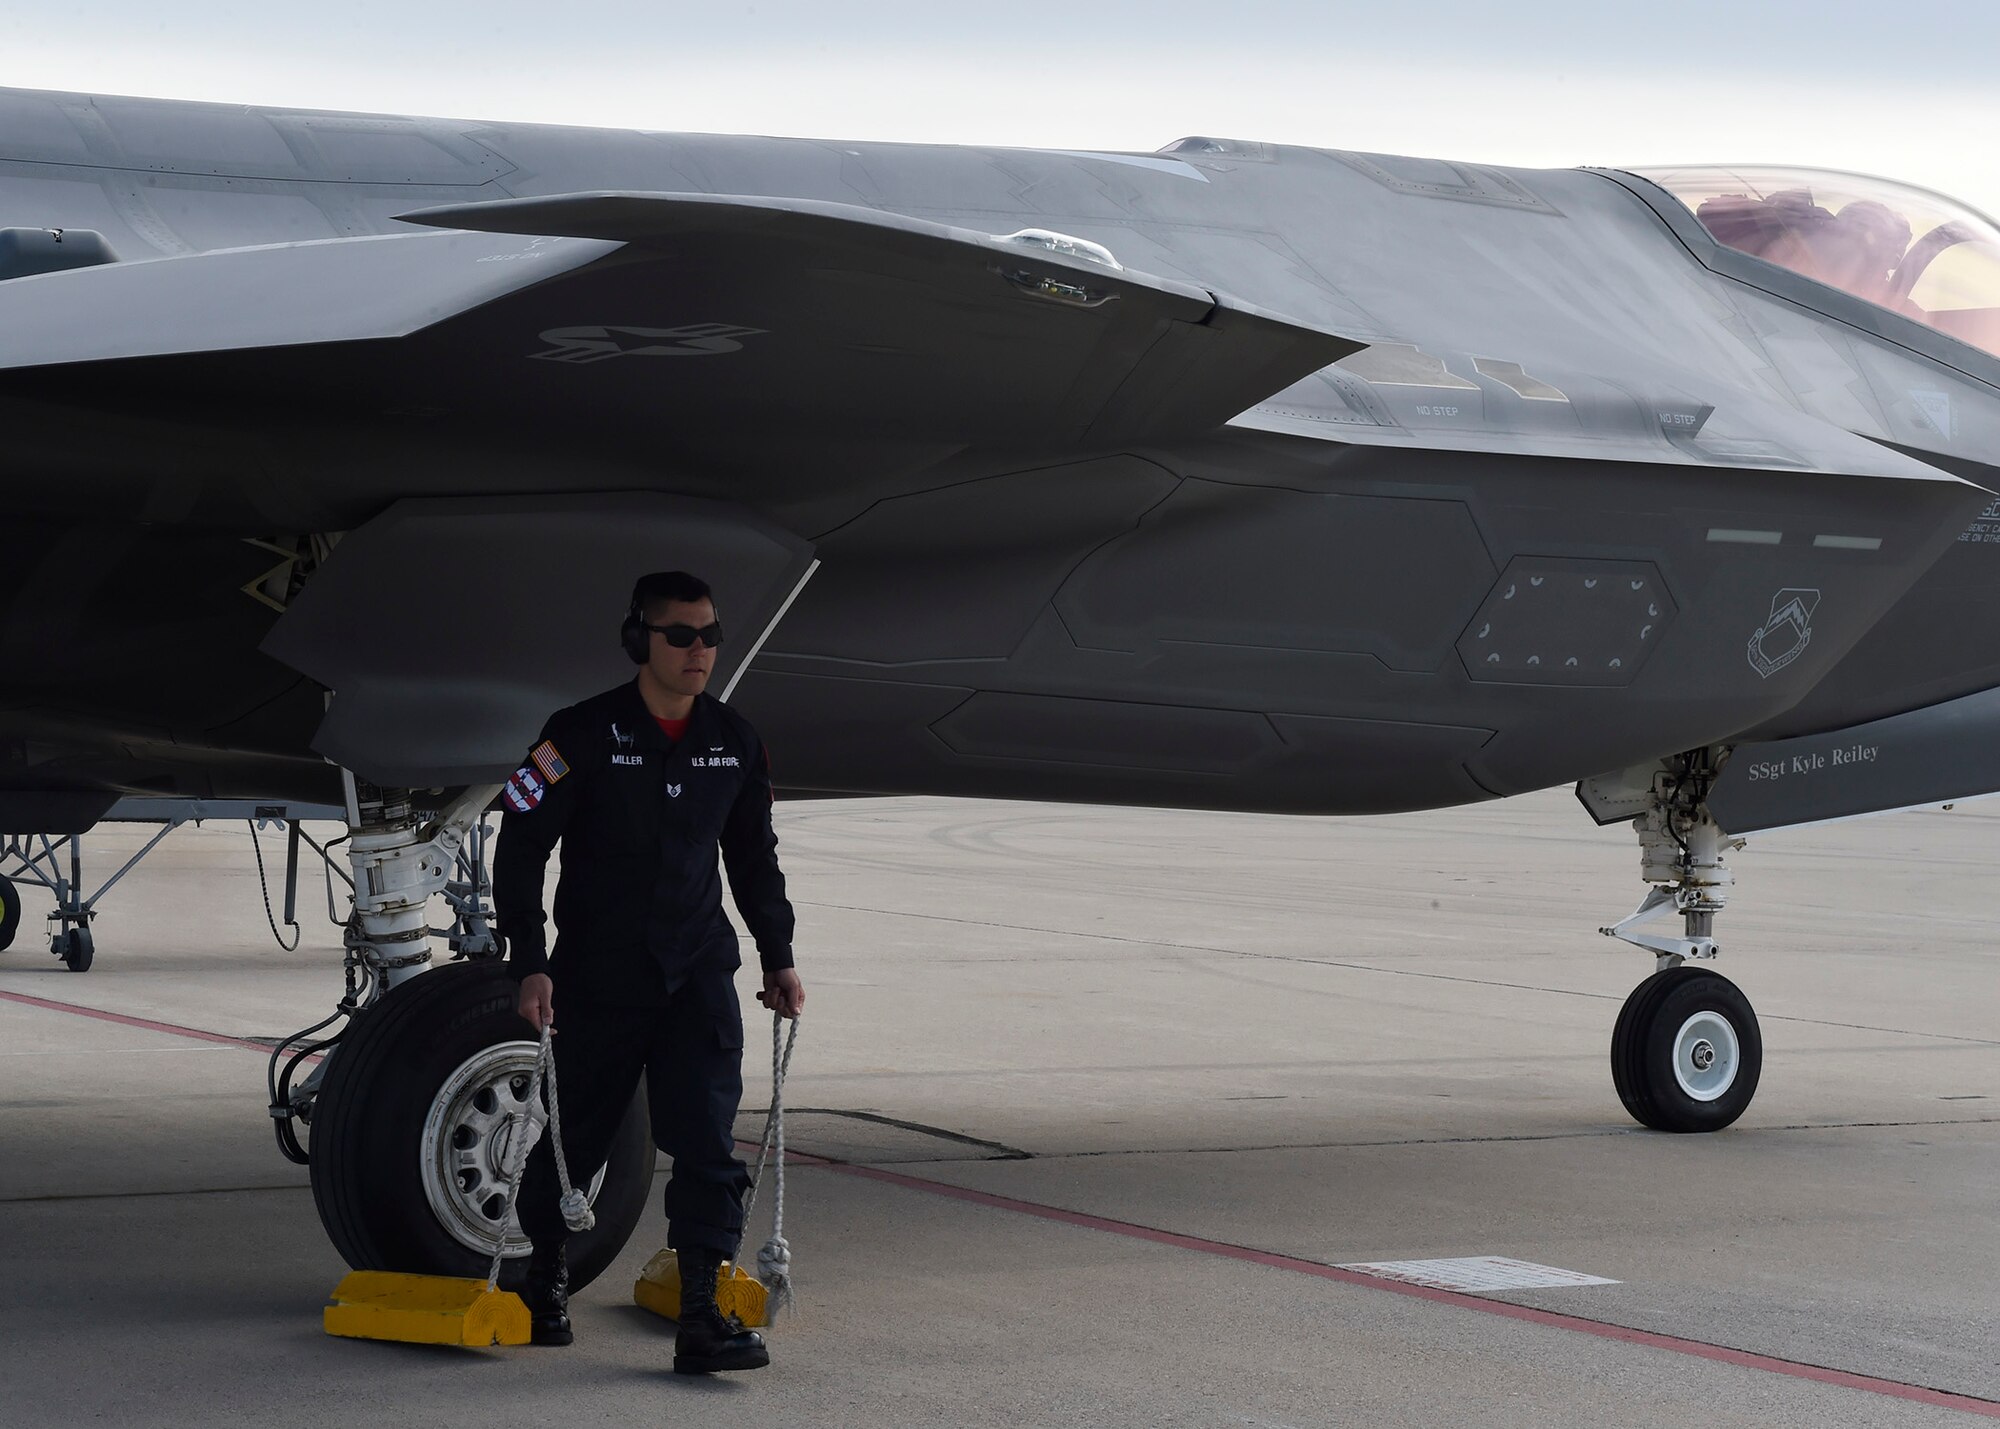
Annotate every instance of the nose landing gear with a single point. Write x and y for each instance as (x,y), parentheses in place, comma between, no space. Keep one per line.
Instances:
(1686,1052)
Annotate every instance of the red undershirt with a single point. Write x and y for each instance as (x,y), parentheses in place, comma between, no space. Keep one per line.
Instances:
(673,729)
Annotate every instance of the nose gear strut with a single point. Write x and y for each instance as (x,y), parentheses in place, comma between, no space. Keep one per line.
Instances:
(1681,853)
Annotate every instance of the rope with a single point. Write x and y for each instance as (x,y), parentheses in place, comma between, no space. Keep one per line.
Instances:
(774,1261)
(575,1206)
(576,1211)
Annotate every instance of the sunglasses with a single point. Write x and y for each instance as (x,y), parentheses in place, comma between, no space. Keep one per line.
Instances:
(683,636)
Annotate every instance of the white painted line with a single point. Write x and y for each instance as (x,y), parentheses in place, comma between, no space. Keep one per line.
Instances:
(1848,543)
(1476,1274)
(1745,538)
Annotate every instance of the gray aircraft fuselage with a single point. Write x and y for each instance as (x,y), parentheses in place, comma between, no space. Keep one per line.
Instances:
(1578,495)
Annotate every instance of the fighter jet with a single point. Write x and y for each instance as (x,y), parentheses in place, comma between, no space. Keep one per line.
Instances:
(1228,476)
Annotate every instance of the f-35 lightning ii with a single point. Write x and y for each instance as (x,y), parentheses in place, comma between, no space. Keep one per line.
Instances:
(1230,476)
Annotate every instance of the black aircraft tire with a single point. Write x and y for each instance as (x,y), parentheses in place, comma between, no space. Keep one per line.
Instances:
(10,913)
(1687,1053)
(369,1123)
(1627,1073)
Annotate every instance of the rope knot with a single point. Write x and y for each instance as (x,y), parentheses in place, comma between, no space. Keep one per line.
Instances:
(774,1268)
(576,1212)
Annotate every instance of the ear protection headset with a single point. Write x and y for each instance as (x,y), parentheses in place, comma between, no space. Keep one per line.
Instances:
(633,635)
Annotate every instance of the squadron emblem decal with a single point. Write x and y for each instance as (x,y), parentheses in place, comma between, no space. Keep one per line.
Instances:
(1784,636)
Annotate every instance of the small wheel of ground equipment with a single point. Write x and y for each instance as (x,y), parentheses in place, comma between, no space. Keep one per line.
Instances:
(412,1134)
(1686,1052)
(10,912)
(76,949)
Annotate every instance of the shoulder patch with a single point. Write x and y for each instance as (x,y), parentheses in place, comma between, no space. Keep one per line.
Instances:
(549,762)
(523,791)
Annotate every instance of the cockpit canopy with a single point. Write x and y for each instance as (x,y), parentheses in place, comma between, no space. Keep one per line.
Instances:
(1906,249)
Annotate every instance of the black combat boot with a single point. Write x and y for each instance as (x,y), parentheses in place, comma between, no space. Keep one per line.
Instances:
(547,1295)
(708,1340)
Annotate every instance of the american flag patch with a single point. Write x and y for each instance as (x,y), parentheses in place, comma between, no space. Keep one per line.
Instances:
(549,762)
(523,790)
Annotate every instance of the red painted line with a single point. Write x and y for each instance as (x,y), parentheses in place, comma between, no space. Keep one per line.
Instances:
(1700,1349)
(173,1029)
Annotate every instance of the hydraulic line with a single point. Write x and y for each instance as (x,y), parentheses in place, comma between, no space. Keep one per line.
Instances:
(278,1084)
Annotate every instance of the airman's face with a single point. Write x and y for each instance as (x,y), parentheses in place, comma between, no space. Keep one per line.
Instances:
(684,672)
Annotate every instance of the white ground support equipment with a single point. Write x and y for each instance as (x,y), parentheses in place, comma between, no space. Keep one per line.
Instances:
(54,862)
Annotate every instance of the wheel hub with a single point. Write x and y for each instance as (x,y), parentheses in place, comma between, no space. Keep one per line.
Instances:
(469,1145)
(1707,1055)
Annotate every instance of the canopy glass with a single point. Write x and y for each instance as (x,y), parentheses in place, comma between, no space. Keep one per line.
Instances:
(1914,252)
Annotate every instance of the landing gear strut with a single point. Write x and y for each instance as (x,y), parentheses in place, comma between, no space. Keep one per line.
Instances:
(1686,1052)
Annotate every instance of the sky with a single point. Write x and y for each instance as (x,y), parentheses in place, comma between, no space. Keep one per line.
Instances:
(1903,89)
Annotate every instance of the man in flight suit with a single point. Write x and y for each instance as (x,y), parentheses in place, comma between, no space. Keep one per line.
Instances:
(642,785)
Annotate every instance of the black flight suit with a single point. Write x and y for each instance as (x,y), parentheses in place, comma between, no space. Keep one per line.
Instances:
(644,960)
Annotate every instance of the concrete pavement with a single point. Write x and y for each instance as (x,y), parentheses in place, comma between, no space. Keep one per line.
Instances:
(1154,1044)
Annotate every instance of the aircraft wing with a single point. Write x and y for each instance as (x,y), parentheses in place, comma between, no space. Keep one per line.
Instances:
(672,318)
(274,296)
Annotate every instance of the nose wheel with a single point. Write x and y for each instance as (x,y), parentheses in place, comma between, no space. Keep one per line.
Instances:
(1687,1052)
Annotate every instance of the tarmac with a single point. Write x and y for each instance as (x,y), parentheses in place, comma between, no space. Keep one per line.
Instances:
(1093,1104)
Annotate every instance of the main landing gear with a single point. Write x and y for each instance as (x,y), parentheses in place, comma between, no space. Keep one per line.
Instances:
(1686,1051)
(415,1110)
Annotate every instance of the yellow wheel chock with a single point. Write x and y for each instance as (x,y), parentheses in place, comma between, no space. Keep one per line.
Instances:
(737,1291)
(425,1310)
(450,1309)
